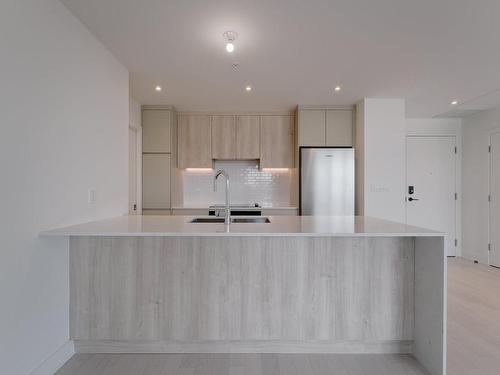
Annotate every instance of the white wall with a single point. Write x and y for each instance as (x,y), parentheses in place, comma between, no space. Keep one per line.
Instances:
(475,183)
(64,122)
(381,127)
(444,127)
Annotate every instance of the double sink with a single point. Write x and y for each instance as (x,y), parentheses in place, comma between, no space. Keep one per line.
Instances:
(227,207)
(235,220)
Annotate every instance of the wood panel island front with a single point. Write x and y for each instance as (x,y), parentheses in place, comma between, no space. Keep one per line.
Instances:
(299,284)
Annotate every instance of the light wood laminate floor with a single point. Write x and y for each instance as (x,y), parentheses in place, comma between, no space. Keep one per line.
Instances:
(241,364)
(473,318)
(473,344)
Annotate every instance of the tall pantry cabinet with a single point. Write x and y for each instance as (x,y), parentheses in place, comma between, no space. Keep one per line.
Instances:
(158,158)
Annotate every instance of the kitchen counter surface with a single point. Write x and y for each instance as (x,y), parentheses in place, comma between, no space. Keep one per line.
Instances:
(251,208)
(178,226)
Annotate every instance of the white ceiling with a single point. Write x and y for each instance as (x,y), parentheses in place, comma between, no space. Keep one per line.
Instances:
(295,51)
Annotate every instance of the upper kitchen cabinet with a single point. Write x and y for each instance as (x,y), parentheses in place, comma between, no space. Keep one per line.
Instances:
(312,127)
(247,137)
(236,137)
(339,128)
(332,127)
(194,141)
(277,141)
(157,130)
(224,137)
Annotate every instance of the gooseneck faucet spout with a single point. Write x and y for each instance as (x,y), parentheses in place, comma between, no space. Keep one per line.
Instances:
(227,216)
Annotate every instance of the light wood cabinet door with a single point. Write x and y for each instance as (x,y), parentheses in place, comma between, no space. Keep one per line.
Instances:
(247,137)
(156,130)
(277,141)
(312,127)
(339,128)
(194,141)
(223,137)
(147,212)
(156,181)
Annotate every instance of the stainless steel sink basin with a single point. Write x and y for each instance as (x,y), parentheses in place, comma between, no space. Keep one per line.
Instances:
(208,220)
(236,220)
(254,220)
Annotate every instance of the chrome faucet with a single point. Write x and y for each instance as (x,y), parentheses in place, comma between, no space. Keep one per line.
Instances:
(227,216)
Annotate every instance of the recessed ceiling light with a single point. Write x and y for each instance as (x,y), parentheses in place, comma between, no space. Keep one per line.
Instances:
(248,88)
(158,88)
(229,38)
(455,102)
(338,88)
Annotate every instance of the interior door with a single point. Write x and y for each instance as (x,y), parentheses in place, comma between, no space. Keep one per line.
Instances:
(431,185)
(495,199)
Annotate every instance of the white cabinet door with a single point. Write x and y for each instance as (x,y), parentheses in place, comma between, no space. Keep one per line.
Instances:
(156,181)
(312,127)
(495,200)
(339,128)
(156,130)
(431,174)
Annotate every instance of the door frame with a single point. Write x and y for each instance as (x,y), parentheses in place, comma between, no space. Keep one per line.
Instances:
(458,184)
(138,170)
(490,165)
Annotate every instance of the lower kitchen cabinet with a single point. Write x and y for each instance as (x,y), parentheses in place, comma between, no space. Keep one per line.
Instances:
(277,141)
(190,211)
(156,181)
(281,211)
(156,212)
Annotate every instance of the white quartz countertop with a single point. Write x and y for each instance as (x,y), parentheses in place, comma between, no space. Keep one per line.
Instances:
(246,208)
(317,226)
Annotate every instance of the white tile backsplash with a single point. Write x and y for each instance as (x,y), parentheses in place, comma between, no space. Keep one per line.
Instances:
(249,184)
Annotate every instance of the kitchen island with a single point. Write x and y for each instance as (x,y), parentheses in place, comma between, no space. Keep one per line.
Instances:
(299,284)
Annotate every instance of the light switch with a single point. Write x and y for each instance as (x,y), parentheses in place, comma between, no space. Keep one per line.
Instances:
(91,196)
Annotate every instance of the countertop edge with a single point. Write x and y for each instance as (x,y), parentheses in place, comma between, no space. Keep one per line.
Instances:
(225,234)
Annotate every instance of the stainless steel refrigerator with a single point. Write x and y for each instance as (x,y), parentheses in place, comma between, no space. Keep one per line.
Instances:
(326,181)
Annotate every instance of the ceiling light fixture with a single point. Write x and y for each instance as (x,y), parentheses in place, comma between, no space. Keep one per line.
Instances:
(248,88)
(229,38)
(455,102)
(158,88)
(338,88)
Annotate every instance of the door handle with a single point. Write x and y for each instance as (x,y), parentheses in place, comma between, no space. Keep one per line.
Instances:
(412,199)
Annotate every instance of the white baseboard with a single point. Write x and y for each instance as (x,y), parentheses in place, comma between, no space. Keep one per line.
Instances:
(56,360)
